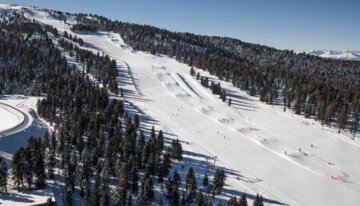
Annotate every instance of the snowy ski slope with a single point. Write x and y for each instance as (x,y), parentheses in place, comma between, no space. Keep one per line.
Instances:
(249,138)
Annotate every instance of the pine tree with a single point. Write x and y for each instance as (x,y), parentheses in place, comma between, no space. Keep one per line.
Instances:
(46,142)
(121,183)
(219,180)
(243,200)
(223,96)
(192,71)
(200,199)
(17,166)
(139,149)
(176,150)
(152,134)
(160,142)
(70,170)
(3,176)
(190,185)
(104,194)
(229,102)
(341,119)
(147,190)
(136,121)
(50,163)
(166,165)
(68,194)
(172,189)
(85,171)
(96,191)
(27,167)
(53,142)
(261,201)
(198,76)
(205,181)
(233,201)
(133,176)
(104,187)
(86,193)
(39,170)
(128,200)
(258,201)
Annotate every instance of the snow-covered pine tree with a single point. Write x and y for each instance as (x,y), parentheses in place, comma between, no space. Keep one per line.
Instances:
(3,175)
(190,186)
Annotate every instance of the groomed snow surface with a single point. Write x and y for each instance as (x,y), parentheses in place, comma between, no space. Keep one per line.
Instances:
(8,118)
(285,157)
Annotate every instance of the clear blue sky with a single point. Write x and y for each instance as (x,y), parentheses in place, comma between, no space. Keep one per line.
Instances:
(300,25)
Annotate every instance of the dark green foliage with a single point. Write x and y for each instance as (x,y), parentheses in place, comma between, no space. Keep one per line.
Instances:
(192,71)
(176,150)
(258,201)
(190,185)
(122,183)
(96,191)
(3,176)
(147,190)
(219,180)
(28,164)
(172,189)
(233,201)
(205,181)
(17,166)
(50,163)
(83,28)
(243,200)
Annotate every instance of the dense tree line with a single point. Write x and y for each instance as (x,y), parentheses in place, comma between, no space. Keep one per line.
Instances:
(83,28)
(28,165)
(101,67)
(324,89)
(25,57)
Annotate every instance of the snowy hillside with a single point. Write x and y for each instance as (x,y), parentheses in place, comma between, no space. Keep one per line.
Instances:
(343,55)
(287,158)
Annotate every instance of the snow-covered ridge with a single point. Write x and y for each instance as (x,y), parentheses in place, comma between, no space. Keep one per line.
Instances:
(333,54)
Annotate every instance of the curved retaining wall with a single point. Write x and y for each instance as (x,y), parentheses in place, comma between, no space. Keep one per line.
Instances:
(19,114)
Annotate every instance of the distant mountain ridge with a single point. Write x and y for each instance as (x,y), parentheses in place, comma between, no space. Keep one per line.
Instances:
(335,54)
